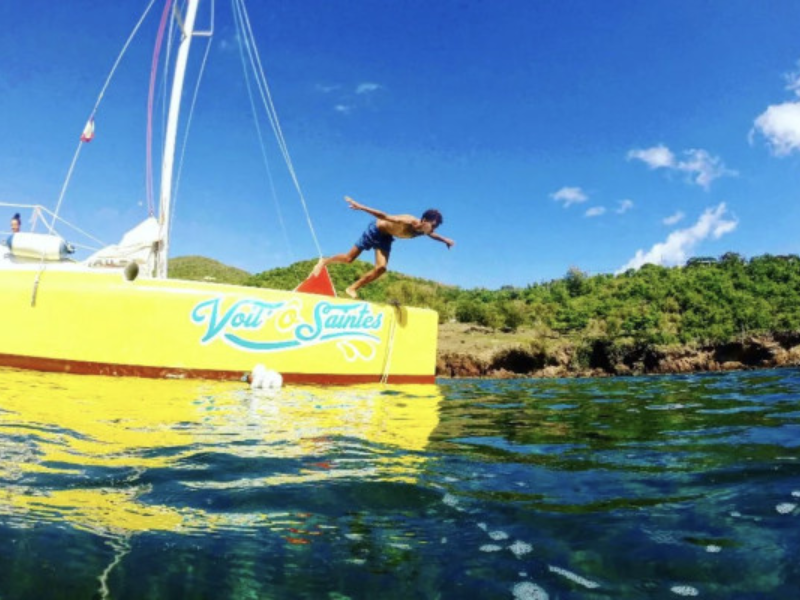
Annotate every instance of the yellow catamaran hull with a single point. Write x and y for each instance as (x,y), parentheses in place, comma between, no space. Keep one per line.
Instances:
(98,323)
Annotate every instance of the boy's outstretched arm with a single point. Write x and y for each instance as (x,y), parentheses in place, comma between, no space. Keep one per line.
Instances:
(357,206)
(379,214)
(435,236)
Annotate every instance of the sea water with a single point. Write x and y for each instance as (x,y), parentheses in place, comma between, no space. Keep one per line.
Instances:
(653,487)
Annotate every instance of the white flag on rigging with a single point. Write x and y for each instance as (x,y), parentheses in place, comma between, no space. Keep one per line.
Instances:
(88,131)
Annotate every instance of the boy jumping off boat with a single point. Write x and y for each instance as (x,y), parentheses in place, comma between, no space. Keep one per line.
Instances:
(380,235)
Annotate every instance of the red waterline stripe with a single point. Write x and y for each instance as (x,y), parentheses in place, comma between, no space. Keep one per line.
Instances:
(52,365)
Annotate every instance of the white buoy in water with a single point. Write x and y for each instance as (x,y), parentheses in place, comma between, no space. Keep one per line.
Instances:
(265,379)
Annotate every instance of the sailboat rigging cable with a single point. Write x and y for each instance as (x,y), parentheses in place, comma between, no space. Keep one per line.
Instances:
(262,145)
(41,213)
(94,111)
(266,98)
(244,29)
(151,93)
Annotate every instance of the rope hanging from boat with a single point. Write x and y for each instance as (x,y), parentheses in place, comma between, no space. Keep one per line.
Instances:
(266,98)
(94,111)
(387,365)
(151,206)
(256,121)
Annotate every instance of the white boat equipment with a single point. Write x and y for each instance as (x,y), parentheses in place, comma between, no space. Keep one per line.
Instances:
(39,246)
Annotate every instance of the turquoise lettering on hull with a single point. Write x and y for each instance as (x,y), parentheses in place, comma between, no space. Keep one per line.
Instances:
(348,322)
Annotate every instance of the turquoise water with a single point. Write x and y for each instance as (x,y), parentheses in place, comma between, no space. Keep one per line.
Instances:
(658,487)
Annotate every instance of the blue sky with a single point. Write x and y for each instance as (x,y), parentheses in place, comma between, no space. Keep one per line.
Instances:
(551,134)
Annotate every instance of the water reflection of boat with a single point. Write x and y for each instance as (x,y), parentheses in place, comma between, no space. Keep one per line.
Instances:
(120,456)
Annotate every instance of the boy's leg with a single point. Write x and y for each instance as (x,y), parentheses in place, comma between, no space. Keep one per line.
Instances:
(381,260)
(346,257)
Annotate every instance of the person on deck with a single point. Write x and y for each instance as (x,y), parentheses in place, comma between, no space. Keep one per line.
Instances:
(380,235)
(16,220)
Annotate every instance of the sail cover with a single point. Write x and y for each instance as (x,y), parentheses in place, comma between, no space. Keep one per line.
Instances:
(137,245)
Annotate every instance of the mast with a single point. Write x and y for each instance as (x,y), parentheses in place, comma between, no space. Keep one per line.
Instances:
(167,164)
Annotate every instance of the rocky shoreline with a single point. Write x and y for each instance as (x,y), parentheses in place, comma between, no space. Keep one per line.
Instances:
(601,358)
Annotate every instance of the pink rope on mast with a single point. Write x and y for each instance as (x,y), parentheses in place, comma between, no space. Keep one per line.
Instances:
(153,72)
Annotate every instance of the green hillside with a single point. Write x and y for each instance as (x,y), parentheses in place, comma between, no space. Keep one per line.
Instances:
(708,300)
(199,268)
(397,287)
(392,286)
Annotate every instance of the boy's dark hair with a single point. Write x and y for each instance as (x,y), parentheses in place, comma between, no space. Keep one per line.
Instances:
(16,217)
(434,216)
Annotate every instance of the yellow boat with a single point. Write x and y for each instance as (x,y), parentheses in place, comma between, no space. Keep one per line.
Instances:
(94,322)
(97,316)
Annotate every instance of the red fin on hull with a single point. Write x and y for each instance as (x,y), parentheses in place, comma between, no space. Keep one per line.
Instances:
(320,284)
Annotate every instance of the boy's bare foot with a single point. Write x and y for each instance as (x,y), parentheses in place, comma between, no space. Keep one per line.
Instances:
(352,293)
(318,267)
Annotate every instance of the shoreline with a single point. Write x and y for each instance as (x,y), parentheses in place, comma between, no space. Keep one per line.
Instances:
(475,352)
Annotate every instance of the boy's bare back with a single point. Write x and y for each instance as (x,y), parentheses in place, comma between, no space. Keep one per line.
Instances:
(401,226)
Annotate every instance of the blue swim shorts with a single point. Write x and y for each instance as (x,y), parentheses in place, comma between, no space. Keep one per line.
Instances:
(375,238)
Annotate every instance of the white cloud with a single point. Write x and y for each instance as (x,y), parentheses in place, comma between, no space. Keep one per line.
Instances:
(656,157)
(327,88)
(674,218)
(595,211)
(349,99)
(676,248)
(368,88)
(780,125)
(569,196)
(704,167)
(793,80)
(699,165)
(624,206)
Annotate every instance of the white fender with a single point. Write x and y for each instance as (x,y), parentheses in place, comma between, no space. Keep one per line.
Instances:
(265,379)
(39,245)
